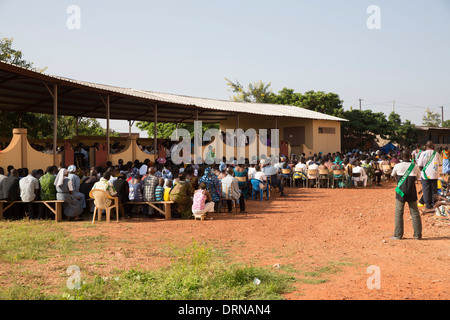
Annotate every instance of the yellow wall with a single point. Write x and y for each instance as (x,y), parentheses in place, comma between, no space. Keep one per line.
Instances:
(325,142)
(20,154)
(315,142)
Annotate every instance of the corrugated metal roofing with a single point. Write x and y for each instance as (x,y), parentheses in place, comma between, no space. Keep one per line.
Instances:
(222,107)
(275,110)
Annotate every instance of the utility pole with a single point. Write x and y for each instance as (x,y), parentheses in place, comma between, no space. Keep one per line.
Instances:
(360,104)
(442,111)
(393,106)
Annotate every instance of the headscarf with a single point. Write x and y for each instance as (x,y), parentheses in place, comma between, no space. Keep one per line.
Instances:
(72,168)
(135,173)
(60,177)
(207,172)
(212,184)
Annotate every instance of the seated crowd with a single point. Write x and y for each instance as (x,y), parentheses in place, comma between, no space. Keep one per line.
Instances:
(342,169)
(194,189)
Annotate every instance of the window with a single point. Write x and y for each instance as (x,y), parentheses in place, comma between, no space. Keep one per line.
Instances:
(327,130)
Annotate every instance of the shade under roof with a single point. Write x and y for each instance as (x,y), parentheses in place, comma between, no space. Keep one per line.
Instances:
(23,90)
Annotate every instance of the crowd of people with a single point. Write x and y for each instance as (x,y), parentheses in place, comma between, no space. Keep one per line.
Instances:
(197,189)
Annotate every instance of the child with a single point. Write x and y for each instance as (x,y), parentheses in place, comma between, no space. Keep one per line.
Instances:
(159,190)
(167,189)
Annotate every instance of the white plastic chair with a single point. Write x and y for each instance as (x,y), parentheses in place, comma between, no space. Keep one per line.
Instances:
(101,198)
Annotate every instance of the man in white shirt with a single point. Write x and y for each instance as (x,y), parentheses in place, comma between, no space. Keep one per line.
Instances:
(144,168)
(429,165)
(271,171)
(259,175)
(251,171)
(301,165)
(29,190)
(230,186)
(358,169)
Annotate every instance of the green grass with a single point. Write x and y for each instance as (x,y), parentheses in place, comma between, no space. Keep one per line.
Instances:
(32,241)
(196,274)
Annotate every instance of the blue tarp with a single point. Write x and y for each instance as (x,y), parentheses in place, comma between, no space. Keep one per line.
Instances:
(388,147)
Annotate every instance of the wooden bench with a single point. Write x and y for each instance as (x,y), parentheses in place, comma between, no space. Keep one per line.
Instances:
(57,210)
(167,208)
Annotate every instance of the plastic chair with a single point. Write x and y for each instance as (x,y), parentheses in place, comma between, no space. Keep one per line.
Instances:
(101,198)
(255,188)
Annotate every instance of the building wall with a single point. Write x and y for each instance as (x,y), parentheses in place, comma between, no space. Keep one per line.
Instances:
(314,141)
(327,142)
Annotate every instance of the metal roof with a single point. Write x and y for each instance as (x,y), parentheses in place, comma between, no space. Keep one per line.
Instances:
(24,90)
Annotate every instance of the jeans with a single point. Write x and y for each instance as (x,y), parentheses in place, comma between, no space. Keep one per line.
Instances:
(429,188)
(415,215)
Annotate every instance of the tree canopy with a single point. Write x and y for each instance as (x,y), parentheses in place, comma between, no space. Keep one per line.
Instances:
(320,101)
(363,125)
(431,119)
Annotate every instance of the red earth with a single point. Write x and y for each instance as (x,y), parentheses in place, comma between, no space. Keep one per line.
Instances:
(309,230)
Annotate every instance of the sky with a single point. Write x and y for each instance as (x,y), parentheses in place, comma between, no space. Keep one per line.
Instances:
(394,58)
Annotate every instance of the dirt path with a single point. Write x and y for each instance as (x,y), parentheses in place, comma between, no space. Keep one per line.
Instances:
(338,232)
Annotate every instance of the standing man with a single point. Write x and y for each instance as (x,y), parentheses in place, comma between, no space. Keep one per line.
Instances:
(406,173)
(429,164)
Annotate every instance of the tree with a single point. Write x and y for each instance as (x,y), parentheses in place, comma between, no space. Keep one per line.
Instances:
(68,127)
(405,134)
(10,55)
(258,92)
(363,126)
(445,124)
(431,119)
(165,130)
(320,101)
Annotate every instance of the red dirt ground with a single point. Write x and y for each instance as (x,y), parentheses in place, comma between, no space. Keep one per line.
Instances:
(308,229)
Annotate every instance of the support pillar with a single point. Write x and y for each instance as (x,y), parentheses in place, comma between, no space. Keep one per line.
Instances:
(155,141)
